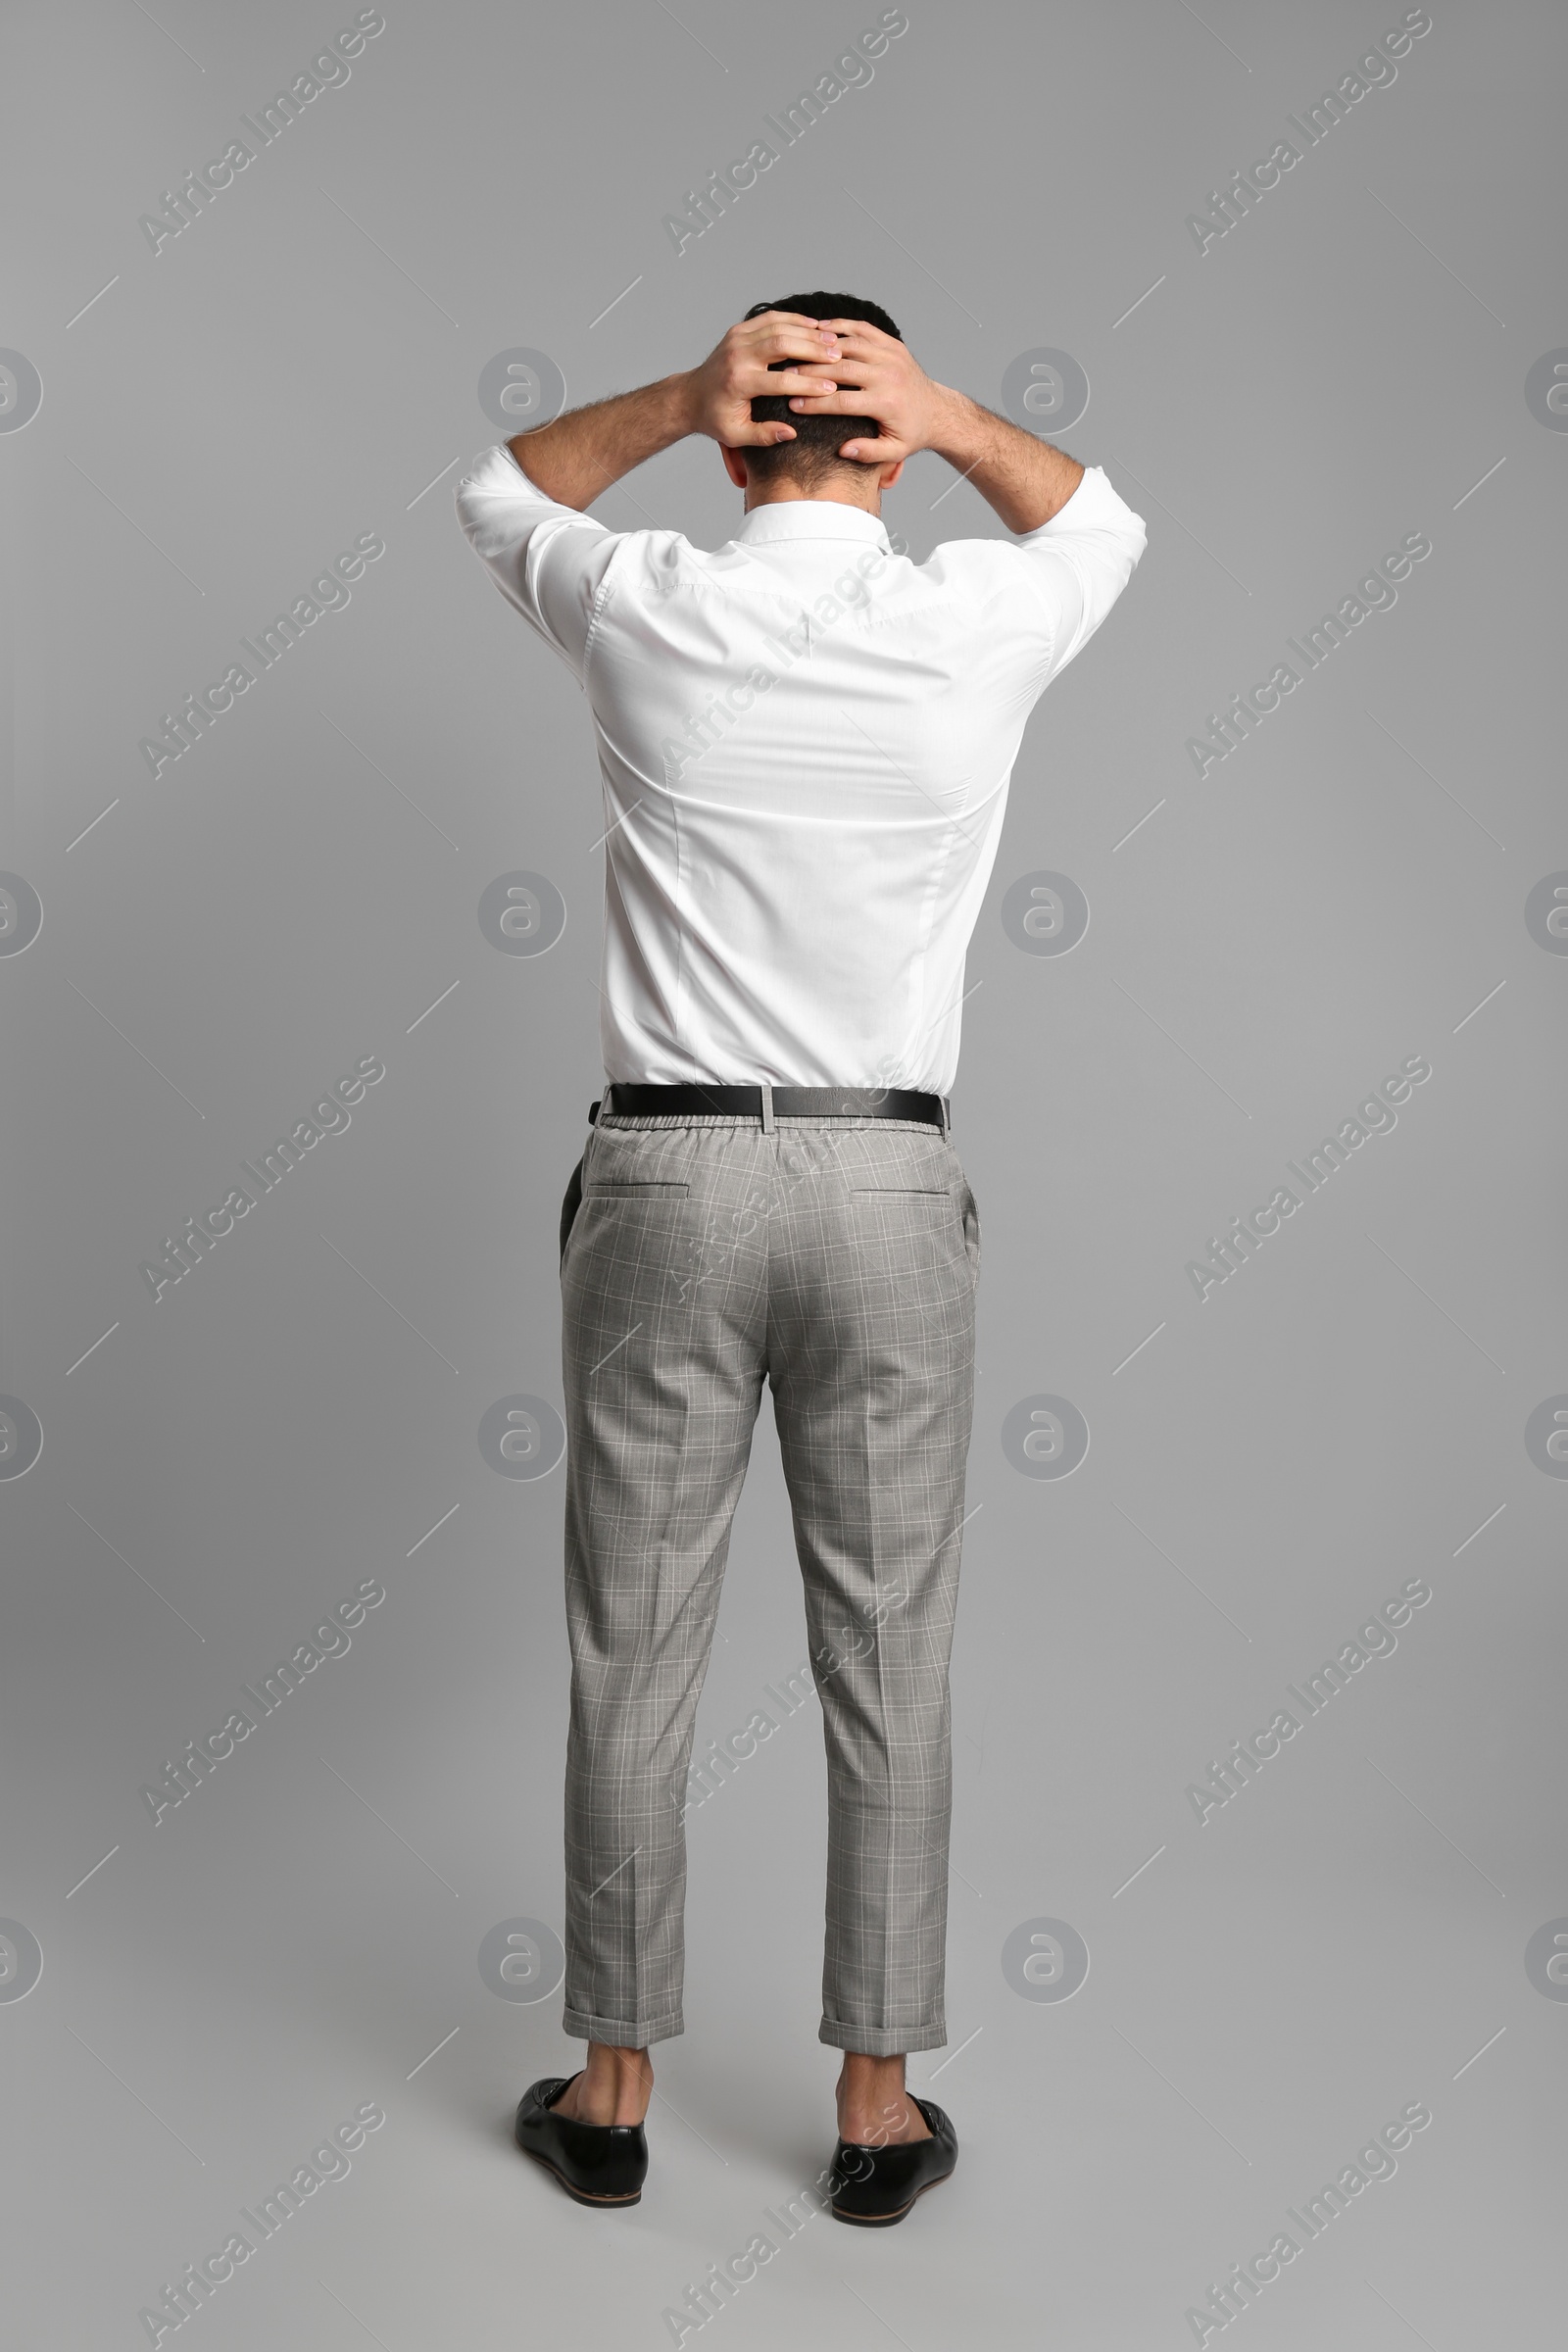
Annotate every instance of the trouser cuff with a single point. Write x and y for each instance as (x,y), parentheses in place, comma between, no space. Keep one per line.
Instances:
(882,2042)
(622,2032)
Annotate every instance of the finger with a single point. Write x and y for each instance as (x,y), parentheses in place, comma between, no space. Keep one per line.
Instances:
(866,354)
(795,347)
(767,370)
(760,436)
(766,318)
(882,451)
(770,385)
(843,363)
(848,402)
(786,336)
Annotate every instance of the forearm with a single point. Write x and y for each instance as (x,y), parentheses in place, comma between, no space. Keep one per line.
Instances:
(579,455)
(1022,477)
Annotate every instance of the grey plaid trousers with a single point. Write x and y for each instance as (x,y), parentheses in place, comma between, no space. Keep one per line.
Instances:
(838,1259)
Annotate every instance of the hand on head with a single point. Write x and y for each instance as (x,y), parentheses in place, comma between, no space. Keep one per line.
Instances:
(824,370)
(743,368)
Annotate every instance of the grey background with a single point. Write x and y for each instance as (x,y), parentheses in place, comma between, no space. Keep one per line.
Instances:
(1339,370)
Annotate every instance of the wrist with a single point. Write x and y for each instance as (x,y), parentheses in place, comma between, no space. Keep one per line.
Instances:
(684,404)
(959,427)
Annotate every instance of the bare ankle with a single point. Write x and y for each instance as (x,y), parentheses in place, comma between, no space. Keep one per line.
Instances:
(874,2106)
(614,2086)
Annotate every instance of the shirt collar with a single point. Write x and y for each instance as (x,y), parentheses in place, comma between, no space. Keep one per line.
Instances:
(811,519)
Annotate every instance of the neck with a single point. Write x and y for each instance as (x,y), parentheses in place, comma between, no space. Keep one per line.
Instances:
(848,490)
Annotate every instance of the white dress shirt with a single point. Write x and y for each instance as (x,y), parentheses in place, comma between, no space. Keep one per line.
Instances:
(806,743)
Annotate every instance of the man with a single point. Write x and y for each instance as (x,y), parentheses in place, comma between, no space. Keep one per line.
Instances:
(806,743)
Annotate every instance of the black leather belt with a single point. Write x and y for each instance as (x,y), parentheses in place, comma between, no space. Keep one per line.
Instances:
(768,1104)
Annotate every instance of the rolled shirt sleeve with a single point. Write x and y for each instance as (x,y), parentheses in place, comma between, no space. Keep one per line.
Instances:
(547,560)
(1079,563)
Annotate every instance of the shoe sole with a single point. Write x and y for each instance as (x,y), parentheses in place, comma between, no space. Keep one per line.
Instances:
(581,2196)
(885,2221)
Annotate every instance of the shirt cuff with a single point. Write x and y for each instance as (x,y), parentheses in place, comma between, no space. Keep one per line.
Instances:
(1093,506)
(497,470)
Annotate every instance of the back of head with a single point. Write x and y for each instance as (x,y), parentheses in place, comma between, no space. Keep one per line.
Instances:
(811,458)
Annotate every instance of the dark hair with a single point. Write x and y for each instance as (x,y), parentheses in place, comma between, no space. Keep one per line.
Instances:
(813,453)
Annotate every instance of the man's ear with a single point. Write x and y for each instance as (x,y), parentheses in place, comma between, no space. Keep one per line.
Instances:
(890,474)
(734,465)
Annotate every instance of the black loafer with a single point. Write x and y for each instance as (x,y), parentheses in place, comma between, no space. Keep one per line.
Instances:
(877,2187)
(598,2164)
